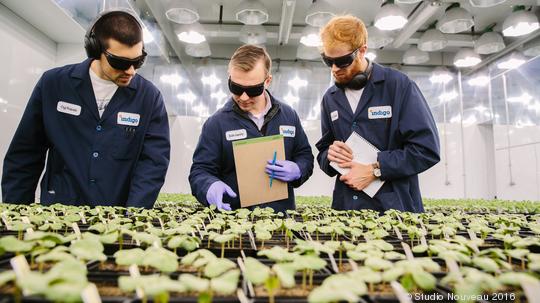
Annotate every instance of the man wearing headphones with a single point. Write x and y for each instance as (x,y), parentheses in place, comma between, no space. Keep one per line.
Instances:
(406,134)
(102,128)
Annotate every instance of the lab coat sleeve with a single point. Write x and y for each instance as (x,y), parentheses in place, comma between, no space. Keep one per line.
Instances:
(419,139)
(206,161)
(324,143)
(302,154)
(25,158)
(151,167)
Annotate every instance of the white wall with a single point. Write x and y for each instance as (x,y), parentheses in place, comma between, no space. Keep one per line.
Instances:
(517,155)
(69,53)
(26,53)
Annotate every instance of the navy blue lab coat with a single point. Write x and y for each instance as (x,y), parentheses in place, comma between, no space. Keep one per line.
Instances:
(408,140)
(213,159)
(90,160)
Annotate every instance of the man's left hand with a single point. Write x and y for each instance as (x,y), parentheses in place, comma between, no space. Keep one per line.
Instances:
(359,176)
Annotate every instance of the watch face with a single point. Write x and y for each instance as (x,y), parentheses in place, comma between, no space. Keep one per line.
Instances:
(377,172)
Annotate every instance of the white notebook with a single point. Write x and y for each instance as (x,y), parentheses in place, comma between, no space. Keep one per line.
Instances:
(364,153)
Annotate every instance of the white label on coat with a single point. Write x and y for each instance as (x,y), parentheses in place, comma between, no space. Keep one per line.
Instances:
(236,134)
(380,112)
(287,131)
(129,119)
(334,115)
(68,108)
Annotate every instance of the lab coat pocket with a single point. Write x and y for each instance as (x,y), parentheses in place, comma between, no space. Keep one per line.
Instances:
(124,143)
(390,200)
(62,189)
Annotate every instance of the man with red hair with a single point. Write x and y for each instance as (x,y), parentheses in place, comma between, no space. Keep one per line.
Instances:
(383,106)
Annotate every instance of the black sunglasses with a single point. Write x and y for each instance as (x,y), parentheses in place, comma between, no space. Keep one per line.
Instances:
(340,62)
(121,63)
(251,91)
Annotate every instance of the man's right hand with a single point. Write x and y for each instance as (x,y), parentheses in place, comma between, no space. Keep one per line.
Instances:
(215,192)
(340,153)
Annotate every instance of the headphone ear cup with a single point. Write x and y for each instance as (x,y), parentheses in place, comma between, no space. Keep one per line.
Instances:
(92,46)
(358,82)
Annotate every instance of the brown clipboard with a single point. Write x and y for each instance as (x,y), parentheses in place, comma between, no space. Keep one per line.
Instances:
(250,159)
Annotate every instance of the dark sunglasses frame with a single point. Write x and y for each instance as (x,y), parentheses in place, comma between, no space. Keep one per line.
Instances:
(122,63)
(251,91)
(340,62)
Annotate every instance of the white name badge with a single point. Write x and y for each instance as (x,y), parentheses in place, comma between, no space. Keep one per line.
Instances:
(68,108)
(334,115)
(380,112)
(287,130)
(128,119)
(236,134)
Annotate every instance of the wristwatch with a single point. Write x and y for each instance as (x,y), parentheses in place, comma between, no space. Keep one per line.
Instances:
(376,169)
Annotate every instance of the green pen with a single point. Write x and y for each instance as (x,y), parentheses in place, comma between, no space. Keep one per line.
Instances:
(273,163)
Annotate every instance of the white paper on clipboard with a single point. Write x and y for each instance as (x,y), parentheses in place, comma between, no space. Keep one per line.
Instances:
(364,153)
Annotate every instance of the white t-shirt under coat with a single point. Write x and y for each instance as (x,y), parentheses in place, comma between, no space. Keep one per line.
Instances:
(103,91)
(353,96)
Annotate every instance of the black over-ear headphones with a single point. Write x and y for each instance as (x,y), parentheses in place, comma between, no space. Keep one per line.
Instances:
(359,80)
(92,45)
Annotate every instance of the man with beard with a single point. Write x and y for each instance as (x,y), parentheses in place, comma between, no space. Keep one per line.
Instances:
(102,128)
(251,112)
(383,106)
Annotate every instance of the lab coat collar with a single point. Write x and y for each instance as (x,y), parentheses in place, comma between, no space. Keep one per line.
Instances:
(229,106)
(81,72)
(377,75)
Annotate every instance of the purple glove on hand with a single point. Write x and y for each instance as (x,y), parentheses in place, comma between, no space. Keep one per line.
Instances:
(286,171)
(215,192)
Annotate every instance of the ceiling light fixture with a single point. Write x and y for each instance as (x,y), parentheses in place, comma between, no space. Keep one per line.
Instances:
(513,61)
(378,38)
(310,36)
(485,3)
(297,82)
(441,75)
(390,17)
(319,13)
(190,33)
(219,95)
(171,79)
(520,22)
(291,99)
(211,80)
(432,40)
(181,11)
(251,12)
(524,99)
(200,50)
(466,57)
(415,56)
(490,42)
(481,80)
(455,20)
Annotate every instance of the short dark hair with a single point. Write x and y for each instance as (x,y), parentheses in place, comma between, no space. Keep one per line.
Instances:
(120,26)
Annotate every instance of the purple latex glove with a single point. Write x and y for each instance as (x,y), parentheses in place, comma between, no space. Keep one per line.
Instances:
(215,192)
(286,171)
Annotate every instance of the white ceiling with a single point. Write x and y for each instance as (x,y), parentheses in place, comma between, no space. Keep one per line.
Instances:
(223,33)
